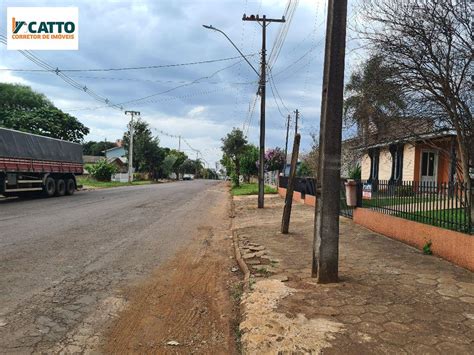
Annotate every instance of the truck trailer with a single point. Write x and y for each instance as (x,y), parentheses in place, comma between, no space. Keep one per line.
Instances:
(31,163)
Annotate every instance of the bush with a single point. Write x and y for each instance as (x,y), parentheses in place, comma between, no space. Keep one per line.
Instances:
(102,171)
(355,172)
(304,170)
(235,179)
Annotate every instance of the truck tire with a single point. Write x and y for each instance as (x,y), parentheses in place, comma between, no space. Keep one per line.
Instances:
(49,187)
(70,187)
(60,187)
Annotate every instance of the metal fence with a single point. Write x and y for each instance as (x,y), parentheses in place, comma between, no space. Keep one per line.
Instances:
(307,186)
(271,178)
(446,205)
(303,185)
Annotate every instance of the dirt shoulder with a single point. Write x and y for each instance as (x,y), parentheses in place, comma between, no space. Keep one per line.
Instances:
(186,306)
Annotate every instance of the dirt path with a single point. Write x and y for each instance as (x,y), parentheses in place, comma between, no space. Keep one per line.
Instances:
(186,306)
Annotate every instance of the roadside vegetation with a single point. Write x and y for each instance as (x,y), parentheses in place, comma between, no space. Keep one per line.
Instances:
(251,189)
(88,182)
(241,160)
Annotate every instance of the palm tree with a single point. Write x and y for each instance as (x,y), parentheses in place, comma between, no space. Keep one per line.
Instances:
(372,97)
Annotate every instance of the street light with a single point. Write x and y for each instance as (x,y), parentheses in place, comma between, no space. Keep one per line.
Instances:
(210,27)
(261,92)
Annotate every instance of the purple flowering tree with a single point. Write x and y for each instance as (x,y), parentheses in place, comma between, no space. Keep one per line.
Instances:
(274,159)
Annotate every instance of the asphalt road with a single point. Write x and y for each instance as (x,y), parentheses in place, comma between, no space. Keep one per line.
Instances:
(65,261)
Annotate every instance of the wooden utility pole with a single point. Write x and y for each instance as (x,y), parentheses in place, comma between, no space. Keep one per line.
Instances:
(286,143)
(264,22)
(130,145)
(326,231)
(297,115)
(285,221)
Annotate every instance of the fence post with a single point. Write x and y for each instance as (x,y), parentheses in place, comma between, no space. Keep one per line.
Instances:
(285,221)
(471,203)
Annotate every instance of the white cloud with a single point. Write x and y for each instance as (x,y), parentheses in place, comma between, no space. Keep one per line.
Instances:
(149,32)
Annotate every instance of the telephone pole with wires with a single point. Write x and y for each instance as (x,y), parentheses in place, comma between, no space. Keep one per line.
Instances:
(264,22)
(286,143)
(130,145)
(326,231)
(297,115)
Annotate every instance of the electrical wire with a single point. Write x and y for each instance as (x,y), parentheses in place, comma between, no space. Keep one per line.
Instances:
(132,68)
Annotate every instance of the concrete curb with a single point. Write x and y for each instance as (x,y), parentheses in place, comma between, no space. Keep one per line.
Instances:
(238,256)
(243,266)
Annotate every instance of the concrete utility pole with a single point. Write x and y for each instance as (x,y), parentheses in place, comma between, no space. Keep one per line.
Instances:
(297,115)
(179,143)
(286,143)
(285,221)
(130,146)
(326,231)
(264,22)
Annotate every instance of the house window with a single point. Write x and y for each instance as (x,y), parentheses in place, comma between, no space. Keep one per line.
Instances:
(374,164)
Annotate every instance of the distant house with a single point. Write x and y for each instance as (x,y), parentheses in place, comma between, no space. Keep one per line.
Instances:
(410,150)
(119,162)
(91,159)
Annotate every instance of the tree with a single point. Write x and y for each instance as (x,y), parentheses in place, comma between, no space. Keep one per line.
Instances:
(167,165)
(429,46)
(209,174)
(304,169)
(274,159)
(248,163)
(25,110)
(234,145)
(190,166)
(373,96)
(17,97)
(228,165)
(147,154)
(96,148)
(180,159)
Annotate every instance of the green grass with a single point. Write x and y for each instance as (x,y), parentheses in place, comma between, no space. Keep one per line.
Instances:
(393,201)
(90,182)
(251,189)
(451,219)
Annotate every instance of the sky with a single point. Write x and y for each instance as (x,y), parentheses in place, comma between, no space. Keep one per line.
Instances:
(212,97)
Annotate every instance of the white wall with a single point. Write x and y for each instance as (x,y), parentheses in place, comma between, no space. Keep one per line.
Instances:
(385,164)
(408,162)
(365,167)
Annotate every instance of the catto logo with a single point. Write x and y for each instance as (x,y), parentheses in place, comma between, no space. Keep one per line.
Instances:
(43,28)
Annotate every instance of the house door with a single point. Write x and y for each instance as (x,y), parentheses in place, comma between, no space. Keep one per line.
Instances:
(429,166)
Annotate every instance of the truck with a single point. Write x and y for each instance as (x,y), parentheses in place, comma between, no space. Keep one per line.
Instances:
(30,163)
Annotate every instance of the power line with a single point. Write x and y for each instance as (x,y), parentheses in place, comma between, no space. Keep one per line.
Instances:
(47,67)
(282,33)
(276,102)
(243,83)
(132,68)
(151,100)
(183,85)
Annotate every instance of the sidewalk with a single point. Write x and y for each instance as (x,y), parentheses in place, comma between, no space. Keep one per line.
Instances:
(391,299)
